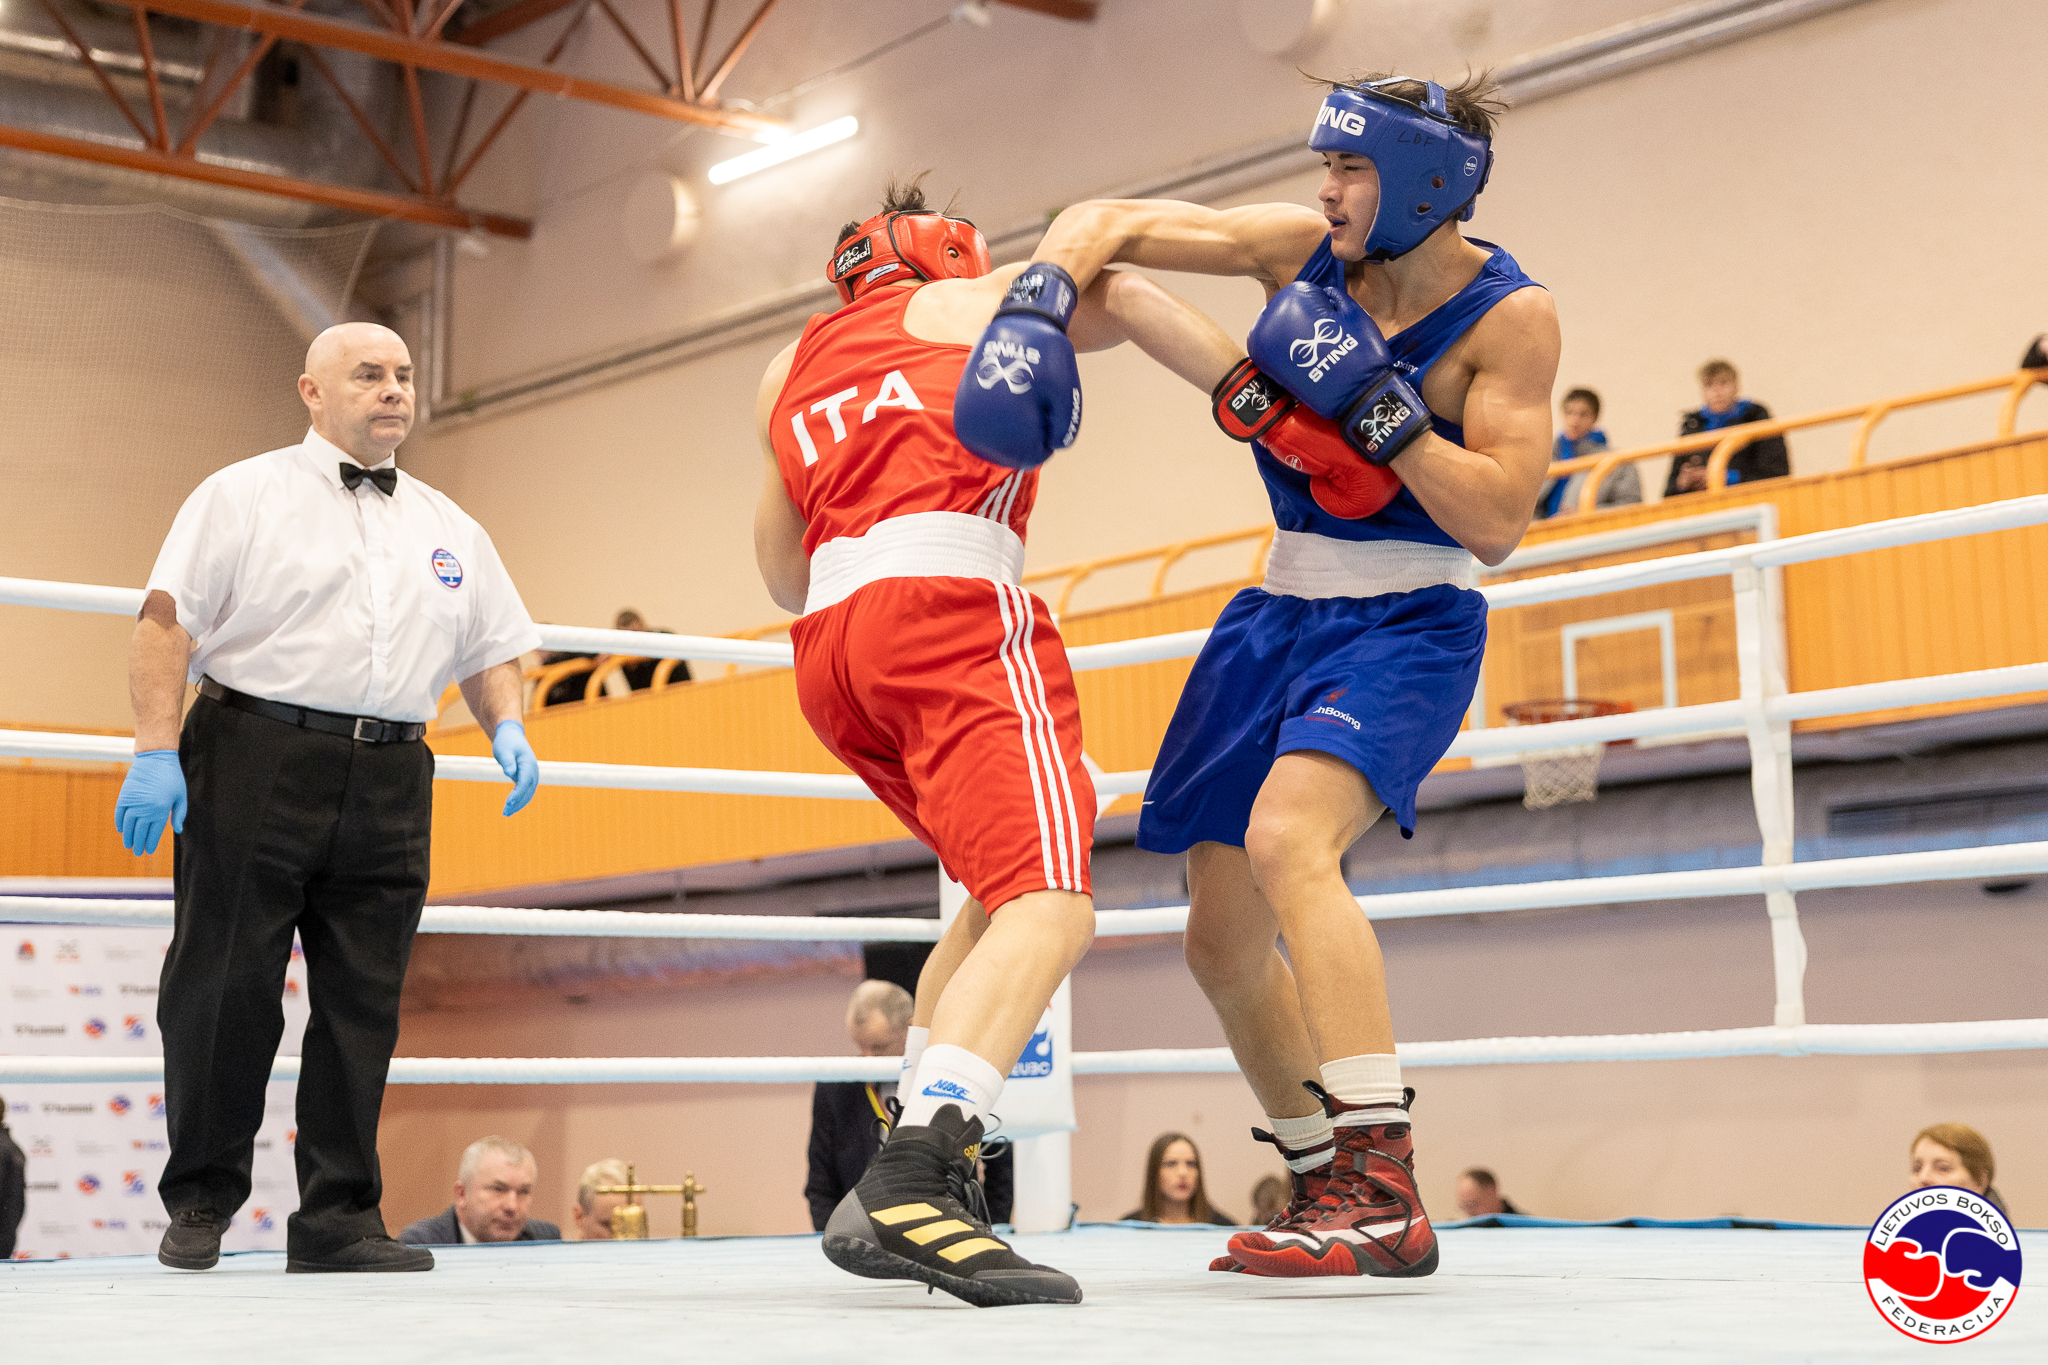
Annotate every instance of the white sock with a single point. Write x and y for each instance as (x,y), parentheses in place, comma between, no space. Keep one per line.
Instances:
(950,1075)
(1309,1140)
(914,1043)
(1374,1078)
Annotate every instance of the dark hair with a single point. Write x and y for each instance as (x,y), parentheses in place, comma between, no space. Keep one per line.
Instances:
(1473,103)
(898,196)
(1586,396)
(1151,1206)
(1483,1178)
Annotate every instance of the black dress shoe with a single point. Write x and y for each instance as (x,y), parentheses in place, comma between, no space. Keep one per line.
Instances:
(369,1256)
(192,1241)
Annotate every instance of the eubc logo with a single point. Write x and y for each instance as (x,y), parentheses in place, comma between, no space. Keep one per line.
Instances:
(447,568)
(95,1028)
(119,1105)
(1037,1058)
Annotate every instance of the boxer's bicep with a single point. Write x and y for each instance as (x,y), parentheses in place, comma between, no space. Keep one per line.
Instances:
(1268,242)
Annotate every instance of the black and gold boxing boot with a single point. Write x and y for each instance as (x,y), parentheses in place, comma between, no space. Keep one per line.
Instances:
(917,1215)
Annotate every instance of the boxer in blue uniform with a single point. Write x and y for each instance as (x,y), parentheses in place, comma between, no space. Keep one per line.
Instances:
(1324,697)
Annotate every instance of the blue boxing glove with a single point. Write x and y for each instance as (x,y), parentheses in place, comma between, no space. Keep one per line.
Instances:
(515,756)
(1019,398)
(1328,352)
(152,795)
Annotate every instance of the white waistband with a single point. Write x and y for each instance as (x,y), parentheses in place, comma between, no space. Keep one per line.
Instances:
(920,545)
(1304,564)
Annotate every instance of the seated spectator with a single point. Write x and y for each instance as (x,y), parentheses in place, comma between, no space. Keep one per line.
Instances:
(592,1212)
(493,1189)
(1479,1194)
(848,1117)
(13,1186)
(1720,407)
(1579,412)
(1269,1197)
(639,677)
(1174,1190)
(1954,1154)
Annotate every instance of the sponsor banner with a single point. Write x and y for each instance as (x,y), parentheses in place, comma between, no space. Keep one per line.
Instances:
(96,1151)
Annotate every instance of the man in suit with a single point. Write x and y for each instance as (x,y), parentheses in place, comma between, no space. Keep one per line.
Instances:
(849,1117)
(493,1190)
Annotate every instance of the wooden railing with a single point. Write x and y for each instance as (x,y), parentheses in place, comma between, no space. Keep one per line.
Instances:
(1728,442)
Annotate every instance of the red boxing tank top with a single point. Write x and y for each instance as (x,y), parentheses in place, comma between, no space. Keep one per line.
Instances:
(863,429)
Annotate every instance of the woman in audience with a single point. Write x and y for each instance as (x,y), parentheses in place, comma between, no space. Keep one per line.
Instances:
(1269,1196)
(1174,1192)
(1955,1154)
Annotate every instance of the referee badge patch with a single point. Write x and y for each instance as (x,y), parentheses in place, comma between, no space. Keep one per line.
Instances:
(448,569)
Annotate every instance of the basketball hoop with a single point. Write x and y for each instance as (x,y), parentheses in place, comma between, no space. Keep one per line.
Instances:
(1557,777)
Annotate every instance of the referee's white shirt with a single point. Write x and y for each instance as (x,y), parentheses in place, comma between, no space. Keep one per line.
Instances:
(298,590)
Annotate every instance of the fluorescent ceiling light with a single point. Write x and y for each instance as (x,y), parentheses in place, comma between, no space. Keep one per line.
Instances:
(775,153)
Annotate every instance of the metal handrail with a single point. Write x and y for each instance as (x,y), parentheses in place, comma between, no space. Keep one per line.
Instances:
(1726,443)
(1167,555)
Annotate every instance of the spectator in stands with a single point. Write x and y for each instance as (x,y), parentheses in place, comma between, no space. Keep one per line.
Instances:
(1479,1194)
(592,1212)
(1269,1196)
(1720,407)
(639,677)
(1174,1190)
(13,1186)
(493,1190)
(848,1117)
(1580,413)
(1954,1154)
(2035,357)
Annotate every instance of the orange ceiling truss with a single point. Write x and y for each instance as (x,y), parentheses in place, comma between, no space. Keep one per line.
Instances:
(408,34)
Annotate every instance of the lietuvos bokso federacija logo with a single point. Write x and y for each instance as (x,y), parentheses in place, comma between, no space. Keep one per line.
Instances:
(1942,1264)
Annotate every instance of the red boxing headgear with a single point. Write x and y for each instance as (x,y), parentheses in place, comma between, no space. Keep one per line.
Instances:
(890,248)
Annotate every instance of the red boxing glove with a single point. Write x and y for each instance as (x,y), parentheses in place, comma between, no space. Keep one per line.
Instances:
(1250,406)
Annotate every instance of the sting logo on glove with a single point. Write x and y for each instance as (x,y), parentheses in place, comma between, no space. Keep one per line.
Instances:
(1319,350)
(1006,362)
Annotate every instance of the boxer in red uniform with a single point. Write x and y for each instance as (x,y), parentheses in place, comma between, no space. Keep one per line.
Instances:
(927,670)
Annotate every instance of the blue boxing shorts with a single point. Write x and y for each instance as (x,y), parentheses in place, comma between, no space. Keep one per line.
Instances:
(1381,682)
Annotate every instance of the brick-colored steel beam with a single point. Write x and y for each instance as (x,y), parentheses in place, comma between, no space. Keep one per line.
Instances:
(510,20)
(372,202)
(452,58)
(1080,11)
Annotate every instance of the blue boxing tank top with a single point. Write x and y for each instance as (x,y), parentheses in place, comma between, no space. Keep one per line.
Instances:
(1415,349)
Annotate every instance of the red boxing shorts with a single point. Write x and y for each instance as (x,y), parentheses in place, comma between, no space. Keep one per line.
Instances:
(951,698)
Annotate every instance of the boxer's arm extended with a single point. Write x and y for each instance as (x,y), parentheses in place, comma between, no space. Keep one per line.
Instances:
(1265,242)
(1122,305)
(778,526)
(1484,493)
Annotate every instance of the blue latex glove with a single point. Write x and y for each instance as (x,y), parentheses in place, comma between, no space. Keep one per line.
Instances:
(1019,399)
(152,795)
(515,756)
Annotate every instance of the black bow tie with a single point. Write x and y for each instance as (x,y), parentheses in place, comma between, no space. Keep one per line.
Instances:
(353,474)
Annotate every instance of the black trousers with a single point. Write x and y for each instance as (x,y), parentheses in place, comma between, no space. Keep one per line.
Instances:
(289,829)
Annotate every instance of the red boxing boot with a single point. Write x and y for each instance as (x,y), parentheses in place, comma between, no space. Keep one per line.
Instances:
(1310,1171)
(1369,1219)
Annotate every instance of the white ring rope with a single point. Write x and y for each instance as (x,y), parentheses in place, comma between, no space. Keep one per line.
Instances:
(1883,869)
(1788,1039)
(1860,1040)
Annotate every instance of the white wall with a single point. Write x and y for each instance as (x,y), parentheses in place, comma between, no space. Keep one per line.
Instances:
(1772,201)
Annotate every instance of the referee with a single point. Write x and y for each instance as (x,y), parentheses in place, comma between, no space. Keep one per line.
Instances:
(322,600)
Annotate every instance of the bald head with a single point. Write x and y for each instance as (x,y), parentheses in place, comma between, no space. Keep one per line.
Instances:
(358,389)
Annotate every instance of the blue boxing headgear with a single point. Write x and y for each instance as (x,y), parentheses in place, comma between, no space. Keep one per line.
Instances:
(1430,168)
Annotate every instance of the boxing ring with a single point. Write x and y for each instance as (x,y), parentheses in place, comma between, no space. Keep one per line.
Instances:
(1530,1293)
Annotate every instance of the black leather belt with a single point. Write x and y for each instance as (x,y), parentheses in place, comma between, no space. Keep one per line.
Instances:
(368,729)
